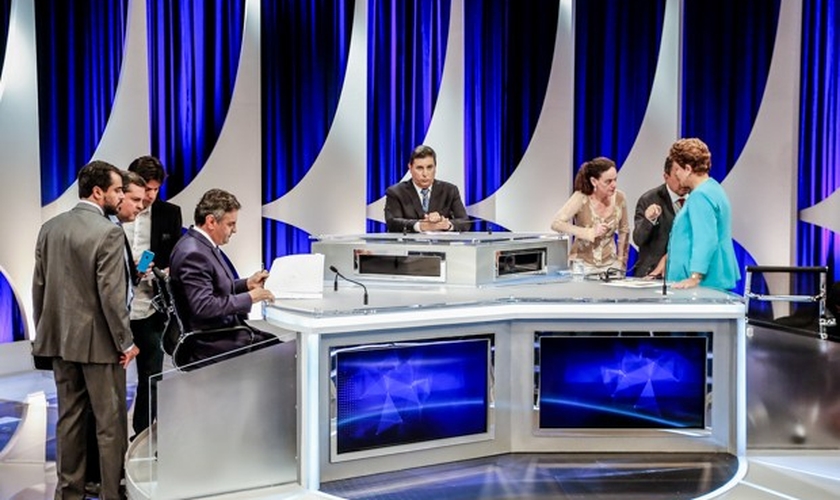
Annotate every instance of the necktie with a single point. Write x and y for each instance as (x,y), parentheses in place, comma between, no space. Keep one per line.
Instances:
(226,264)
(425,199)
(680,202)
(130,276)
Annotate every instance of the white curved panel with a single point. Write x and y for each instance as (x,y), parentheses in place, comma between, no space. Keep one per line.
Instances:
(20,179)
(28,444)
(542,181)
(761,186)
(446,129)
(331,198)
(126,135)
(642,170)
(825,214)
(235,165)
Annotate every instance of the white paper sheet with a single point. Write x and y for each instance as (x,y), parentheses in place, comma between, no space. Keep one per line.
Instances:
(635,283)
(298,276)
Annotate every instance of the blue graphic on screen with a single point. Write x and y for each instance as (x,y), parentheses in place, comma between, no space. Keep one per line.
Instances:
(408,393)
(622,382)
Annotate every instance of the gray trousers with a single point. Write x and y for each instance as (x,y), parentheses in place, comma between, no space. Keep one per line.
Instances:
(103,385)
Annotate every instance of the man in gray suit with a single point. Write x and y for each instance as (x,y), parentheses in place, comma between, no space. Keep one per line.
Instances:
(81,319)
(655,212)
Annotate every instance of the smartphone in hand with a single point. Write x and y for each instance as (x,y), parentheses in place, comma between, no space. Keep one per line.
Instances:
(145,259)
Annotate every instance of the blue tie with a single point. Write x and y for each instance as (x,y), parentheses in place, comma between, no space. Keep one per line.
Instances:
(424,200)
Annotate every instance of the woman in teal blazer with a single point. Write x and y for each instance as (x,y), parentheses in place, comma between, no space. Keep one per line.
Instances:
(700,249)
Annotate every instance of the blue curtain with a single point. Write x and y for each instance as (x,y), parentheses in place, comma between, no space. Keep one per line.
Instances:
(5,13)
(80,50)
(406,53)
(724,76)
(11,319)
(11,324)
(194,52)
(819,129)
(305,46)
(509,48)
(616,50)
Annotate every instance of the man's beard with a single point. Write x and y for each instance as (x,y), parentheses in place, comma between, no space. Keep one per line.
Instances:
(110,209)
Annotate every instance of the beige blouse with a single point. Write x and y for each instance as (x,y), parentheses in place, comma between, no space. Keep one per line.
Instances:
(578,218)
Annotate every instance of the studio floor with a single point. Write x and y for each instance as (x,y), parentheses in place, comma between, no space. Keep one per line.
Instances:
(27,470)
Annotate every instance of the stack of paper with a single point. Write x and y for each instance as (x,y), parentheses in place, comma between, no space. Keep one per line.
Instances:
(298,276)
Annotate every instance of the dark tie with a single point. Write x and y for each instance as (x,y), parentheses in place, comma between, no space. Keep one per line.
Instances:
(424,199)
(129,261)
(680,202)
(132,279)
(226,263)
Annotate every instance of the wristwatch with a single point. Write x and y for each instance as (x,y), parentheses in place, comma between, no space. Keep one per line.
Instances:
(697,276)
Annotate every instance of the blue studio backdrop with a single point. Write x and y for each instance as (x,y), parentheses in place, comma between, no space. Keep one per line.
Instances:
(311,61)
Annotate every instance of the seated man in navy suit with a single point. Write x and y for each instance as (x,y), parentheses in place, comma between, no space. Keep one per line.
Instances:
(423,203)
(206,289)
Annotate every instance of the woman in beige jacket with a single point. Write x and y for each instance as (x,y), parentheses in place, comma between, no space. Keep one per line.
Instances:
(594,214)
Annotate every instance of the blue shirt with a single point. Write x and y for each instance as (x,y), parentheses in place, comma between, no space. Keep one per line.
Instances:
(701,239)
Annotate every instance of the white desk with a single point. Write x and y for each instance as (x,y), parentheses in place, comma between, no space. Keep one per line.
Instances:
(512,313)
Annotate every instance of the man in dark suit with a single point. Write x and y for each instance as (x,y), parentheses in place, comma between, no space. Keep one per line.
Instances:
(157,227)
(423,203)
(81,319)
(206,290)
(655,212)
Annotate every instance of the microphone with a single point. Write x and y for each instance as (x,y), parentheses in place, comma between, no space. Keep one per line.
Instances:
(665,275)
(335,281)
(610,274)
(345,278)
(162,276)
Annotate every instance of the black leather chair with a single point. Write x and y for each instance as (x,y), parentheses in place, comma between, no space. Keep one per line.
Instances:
(189,349)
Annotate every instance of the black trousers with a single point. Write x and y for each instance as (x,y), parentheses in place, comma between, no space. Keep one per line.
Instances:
(147,333)
(203,350)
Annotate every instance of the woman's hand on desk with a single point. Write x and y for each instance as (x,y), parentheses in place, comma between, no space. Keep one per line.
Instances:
(690,282)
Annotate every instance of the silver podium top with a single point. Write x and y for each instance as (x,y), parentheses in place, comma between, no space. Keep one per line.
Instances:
(443,238)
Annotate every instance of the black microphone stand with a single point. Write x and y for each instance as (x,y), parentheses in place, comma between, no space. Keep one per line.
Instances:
(345,278)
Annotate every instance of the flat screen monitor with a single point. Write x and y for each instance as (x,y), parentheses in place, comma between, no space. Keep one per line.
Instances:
(519,262)
(622,382)
(410,392)
(412,264)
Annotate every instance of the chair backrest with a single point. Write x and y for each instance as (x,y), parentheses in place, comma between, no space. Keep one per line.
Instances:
(164,302)
(821,322)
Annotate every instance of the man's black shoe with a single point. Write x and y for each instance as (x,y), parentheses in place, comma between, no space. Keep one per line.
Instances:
(92,489)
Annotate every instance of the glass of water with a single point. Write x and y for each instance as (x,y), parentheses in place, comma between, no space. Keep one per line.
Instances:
(577,270)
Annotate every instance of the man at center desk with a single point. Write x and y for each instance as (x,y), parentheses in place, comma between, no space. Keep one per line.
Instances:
(423,203)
